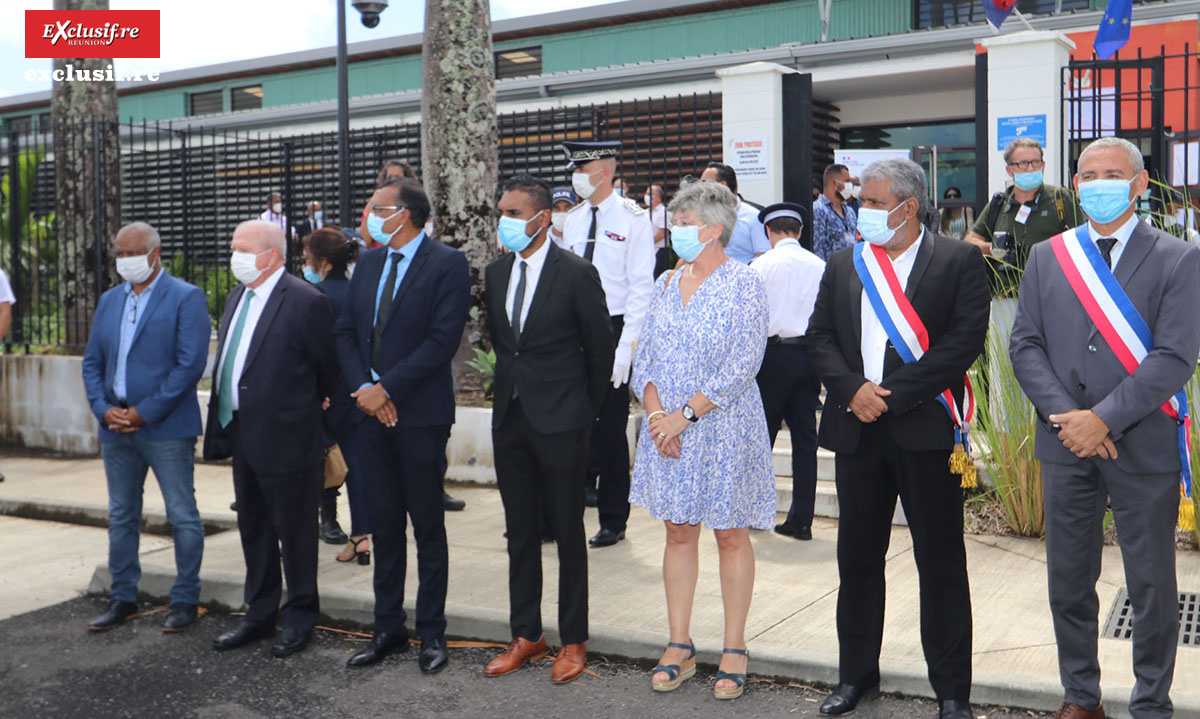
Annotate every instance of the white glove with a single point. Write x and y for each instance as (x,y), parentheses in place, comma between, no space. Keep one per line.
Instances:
(622,362)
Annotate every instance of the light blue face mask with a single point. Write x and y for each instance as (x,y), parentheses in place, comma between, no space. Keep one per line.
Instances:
(873,225)
(1028,181)
(685,240)
(511,232)
(1104,200)
(319,214)
(375,225)
(312,275)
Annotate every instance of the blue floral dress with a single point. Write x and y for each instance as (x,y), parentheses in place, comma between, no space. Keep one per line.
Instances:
(713,345)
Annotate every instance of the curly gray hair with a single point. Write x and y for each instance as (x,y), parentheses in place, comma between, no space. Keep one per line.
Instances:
(712,202)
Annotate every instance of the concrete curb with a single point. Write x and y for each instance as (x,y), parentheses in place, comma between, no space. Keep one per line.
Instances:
(223,590)
(154,521)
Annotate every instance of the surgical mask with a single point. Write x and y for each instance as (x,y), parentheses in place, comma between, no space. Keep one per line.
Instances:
(1028,181)
(277,207)
(244,266)
(646,200)
(134,270)
(312,275)
(375,225)
(1104,200)
(685,240)
(318,215)
(619,192)
(582,183)
(558,220)
(511,232)
(873,225)
(847,192)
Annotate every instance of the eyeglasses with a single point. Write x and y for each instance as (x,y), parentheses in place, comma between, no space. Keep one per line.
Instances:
(1027,165)
(953,197)
(391,210)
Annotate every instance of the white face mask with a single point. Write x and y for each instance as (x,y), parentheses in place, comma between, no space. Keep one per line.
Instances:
(244,266)
(558,220)
(847,192)
(648,199)
(582,183)
(135,270)
(277,208)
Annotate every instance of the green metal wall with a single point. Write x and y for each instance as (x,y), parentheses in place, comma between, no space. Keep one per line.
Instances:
(703,34)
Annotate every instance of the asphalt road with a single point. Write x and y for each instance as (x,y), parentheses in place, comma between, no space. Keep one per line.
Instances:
(51,666)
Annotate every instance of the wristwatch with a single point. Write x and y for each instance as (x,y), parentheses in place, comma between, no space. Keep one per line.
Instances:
(688,413)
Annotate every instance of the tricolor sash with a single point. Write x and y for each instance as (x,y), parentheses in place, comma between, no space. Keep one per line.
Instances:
(1118,321)
(910,338)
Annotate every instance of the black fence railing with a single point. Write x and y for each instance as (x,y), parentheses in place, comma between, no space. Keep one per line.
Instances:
(1152,101)
(195,185)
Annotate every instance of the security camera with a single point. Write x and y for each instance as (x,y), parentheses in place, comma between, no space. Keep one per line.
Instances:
(370,9)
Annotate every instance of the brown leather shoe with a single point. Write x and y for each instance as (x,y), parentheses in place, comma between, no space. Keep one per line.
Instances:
(569,664)
(1074,711)
(518,653)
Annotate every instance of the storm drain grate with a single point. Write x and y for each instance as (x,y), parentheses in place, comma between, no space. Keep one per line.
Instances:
(1120,619)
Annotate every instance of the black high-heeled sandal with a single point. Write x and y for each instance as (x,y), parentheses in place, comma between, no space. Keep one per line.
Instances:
(363,557)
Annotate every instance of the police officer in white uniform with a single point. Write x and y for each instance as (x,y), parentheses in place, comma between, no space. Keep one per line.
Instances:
(614,233)
(788,382)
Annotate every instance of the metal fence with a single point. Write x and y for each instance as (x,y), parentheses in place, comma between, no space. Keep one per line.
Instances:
(1152,101)
(196,185)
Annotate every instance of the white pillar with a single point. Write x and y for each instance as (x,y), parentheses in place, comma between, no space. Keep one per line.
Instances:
(752,128)
(1025,82)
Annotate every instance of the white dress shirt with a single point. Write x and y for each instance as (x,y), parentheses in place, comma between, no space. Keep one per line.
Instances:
(533,270)
(1122,235)
(624,256)
(873,344)
(6,293)
(660,219)
(261,294)
(792,275)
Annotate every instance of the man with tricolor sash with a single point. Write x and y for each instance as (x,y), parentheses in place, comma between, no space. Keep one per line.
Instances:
(898,320)
(1106,336)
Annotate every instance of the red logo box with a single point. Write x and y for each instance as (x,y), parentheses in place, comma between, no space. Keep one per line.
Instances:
(92,33)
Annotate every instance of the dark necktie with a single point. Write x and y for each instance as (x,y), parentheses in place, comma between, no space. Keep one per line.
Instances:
(519,302)
(385,308)
(1106,245)
(591,245)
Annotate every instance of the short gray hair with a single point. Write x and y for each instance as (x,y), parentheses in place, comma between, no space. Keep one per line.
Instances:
(145,229)
(1135,155)
(906,176)
(1028,142)
(269,233)
(712,202)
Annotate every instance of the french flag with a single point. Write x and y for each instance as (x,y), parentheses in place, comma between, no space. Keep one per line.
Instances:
(998,11)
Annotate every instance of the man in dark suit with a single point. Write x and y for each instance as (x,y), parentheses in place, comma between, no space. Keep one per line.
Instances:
(143,359)
(892,437)
(275,366)
(314,220)
(1102,437)
(551,331)
(396,335)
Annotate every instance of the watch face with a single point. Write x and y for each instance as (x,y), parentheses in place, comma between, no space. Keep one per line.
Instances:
(689,413)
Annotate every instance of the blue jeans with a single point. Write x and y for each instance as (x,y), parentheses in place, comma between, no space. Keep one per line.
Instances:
(126,460)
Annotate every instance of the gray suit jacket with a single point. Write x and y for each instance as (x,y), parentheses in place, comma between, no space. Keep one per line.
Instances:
(1063,363)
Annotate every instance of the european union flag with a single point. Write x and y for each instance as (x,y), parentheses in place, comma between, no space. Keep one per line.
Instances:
(1114,28)
(998,11)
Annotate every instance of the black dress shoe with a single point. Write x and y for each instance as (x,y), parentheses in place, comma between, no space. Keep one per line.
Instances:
(606,538)
(953,709)
(233,506)
(590,498)
(382,644)
(433,657)
(794,531)
(330,531)
(846,697)
(450,504)
(115,614)
(242,635)
(291,641)
(181,617)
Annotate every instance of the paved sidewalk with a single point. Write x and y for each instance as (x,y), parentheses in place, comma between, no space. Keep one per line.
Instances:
(792,622)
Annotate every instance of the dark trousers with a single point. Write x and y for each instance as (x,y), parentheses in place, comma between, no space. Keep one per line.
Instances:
(403,471)
(791,392)
(276,516)
(348,440)
(1145,507)
(608,458)
(534,472)
(868,482)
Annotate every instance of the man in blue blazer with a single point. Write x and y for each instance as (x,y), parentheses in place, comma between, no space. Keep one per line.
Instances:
(397,333)
(146,352)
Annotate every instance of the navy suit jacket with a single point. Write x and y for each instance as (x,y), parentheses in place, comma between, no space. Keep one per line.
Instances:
(420,338)
(343,409)
(166,359)
(289,370)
